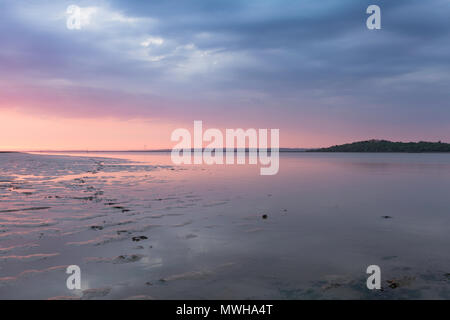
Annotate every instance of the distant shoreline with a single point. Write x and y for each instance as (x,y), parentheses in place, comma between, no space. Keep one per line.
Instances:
(368,146)
(149,151)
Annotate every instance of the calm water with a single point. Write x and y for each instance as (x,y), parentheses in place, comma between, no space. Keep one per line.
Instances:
(202,229)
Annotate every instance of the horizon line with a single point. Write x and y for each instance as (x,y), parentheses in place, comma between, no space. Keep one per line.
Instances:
(281,149)
(164,150)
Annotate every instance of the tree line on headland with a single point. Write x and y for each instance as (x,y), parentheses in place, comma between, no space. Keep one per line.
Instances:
(387,146)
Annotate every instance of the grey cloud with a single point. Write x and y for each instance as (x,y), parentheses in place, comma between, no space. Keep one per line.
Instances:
(272,53)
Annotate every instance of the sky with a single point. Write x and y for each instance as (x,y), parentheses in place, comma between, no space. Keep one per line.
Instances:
(137,70)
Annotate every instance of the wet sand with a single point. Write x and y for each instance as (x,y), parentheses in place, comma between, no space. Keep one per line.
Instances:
(141,228)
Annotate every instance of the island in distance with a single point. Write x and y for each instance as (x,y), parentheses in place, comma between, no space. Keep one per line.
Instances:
(387,146)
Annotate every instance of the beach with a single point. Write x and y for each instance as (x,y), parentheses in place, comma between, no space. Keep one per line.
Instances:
(140,227)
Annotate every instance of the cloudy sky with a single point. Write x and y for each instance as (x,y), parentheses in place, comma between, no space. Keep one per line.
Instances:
(136,70)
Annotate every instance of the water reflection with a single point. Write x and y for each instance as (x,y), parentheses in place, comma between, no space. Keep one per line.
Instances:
(137,225)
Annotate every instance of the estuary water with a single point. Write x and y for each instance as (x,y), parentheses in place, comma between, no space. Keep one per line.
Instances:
(140,227)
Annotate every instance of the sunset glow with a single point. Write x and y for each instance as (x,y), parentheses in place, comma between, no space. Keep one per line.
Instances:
(132,73)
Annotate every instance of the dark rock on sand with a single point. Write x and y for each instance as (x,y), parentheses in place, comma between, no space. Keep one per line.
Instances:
(128,258)
(139,238)
(396,283)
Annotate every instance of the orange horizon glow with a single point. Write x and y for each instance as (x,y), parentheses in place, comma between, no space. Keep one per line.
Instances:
(25,132)
(135,73)
(22,131)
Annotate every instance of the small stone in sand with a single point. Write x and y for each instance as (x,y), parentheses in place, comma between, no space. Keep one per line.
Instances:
(127,258)
(395,283)
(139,238)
